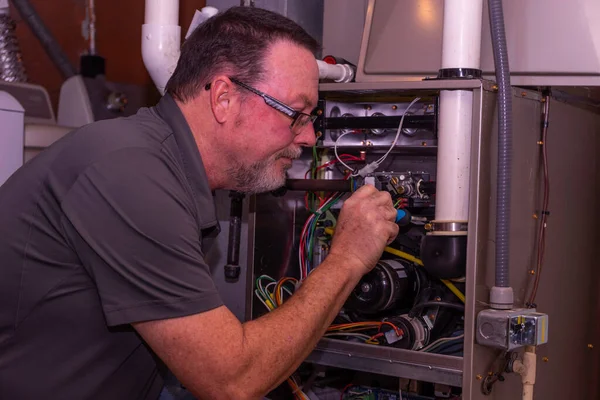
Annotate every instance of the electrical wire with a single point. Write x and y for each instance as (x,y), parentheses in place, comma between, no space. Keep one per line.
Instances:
(541,243)
(382,159)
(371,167)
(336,153)
(432,346)
(445,304)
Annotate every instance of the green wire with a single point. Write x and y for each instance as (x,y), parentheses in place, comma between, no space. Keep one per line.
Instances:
(314,226)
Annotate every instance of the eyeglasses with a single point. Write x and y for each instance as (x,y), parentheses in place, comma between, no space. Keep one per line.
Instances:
(299,119)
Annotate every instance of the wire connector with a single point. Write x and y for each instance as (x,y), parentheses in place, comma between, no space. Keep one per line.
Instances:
(368,169)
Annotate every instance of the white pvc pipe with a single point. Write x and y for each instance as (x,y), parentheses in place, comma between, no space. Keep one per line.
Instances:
(162,12)
(461,48)
(336,72)
(161,40)
(454,148)
(461,40)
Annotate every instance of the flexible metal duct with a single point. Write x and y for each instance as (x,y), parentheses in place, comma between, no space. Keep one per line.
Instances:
(11,65)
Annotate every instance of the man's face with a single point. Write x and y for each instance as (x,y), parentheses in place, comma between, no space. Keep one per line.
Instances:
(264,145)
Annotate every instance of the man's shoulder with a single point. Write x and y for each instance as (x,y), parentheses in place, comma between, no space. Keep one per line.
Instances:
(143,129)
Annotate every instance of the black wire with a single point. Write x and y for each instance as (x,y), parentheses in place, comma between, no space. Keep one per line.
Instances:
(445,304)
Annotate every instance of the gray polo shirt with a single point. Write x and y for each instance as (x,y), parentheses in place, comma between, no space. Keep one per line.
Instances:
(102,229)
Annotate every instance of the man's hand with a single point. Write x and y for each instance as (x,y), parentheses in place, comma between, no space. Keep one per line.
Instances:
(365,226)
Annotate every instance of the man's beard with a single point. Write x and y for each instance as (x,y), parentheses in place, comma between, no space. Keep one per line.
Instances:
(262,176)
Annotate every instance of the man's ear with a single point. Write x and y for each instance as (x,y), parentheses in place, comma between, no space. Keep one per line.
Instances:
(223,99)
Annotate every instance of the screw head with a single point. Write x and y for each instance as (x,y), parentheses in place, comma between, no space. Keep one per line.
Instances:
(394,107)
(545,359)
(319,134)
(319,112)
(478,377)
(590,346)
(531,272)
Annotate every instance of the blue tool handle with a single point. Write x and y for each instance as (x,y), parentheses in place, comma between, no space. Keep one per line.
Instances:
(402,217)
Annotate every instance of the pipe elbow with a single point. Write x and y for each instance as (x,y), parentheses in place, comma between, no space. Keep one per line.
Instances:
(336,72)
(160,52)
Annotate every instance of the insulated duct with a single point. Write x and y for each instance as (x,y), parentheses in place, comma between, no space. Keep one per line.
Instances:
(11,65)
(501,295)
(444,248)
(40,30)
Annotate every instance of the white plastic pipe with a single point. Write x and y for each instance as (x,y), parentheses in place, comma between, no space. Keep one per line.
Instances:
(527,370)
(461,40)
(161,40)
(336,72)
(454,148)
(461,48)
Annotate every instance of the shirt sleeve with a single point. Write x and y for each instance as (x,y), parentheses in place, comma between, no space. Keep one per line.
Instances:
(133,224)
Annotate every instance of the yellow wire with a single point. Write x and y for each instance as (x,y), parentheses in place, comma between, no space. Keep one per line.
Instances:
(417,261)
(411,258)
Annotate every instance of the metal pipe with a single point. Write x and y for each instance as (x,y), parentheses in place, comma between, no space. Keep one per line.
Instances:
(232,269)
(40,30)
(319,185)
(501,295)
(92,17)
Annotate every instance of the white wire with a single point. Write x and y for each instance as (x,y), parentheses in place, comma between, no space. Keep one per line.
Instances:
(336,153)
(398,132)
(261,300)
(442,340)
(359,335)
(267,287)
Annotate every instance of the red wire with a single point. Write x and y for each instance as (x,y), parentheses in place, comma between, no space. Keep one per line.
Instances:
(348,386)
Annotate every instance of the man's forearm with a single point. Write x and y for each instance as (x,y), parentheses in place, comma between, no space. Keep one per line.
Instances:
(279,341)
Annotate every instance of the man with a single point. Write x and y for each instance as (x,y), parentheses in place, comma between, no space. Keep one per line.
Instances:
(101,258)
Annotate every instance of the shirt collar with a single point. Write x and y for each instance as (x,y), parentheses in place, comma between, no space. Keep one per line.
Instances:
(169,111)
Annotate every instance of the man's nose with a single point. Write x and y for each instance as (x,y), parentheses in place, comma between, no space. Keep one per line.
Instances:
(306,137)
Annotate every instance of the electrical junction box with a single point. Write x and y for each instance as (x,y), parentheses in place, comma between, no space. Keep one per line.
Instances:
(512,329)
